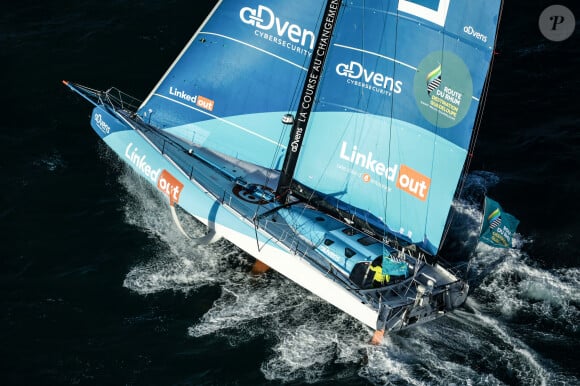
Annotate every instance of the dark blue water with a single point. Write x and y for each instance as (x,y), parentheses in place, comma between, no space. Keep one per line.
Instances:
(97,286)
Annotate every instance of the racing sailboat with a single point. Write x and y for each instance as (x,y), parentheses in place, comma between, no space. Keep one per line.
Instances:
(327,139)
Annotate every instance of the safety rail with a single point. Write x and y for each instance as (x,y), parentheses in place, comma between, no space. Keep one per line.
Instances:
(113,97)
(121,100)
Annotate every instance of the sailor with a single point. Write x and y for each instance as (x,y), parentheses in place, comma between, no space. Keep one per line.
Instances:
(379,278)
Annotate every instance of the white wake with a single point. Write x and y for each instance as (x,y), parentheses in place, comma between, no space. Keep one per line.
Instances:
(480,344)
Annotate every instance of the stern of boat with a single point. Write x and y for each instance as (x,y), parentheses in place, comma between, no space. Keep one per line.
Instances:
(427,299)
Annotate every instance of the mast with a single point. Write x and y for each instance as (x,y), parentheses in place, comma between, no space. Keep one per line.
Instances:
(307,97)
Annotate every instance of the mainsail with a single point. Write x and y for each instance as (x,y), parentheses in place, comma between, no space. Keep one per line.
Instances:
(395,112)
(393,119)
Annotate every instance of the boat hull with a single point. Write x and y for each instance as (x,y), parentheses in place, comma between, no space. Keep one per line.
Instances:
(181,189)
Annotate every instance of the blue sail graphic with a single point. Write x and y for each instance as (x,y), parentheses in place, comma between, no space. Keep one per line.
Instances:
(237,77)
(394,119)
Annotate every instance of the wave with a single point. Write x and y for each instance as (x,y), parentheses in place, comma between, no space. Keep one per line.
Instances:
(486,342)
(52,162)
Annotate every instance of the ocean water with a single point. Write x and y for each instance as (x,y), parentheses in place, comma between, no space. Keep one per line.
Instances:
(98,287)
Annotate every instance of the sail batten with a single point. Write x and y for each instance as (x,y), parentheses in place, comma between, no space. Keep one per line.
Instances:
(375,54)
(256,48)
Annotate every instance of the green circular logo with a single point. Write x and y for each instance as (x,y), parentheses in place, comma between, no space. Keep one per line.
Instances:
(443,88)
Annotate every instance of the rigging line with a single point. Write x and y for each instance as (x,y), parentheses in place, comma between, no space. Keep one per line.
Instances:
(362,50)
(295,97)
(309,89)
(271,172)
(478,120)
(391,118)
(221,119)
(256,48)
(435,137)
(144,127)
(181,54)
(376,54)
(294,100)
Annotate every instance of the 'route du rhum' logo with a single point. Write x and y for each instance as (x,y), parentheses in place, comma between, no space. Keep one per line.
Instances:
(443,89)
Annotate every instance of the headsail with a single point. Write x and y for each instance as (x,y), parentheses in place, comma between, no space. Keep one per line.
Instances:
(237,77)
(395,111)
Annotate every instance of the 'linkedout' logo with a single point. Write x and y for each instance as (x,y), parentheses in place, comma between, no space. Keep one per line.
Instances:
(140,162)
(362,77)
(264,18)
(170,186)
(165,181)
(197,100)
(407,179)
